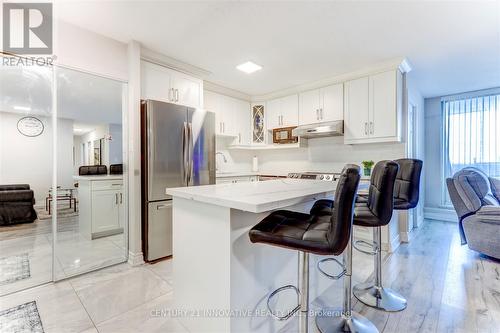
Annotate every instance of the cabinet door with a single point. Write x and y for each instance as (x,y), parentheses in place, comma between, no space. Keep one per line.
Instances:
(188,90)
(155,82)
(243,123)
(383,109)
(290,111)
(229,107)
(356,120)
(273,114)
(309,107)
(212,102)
(332,103)
(105,210)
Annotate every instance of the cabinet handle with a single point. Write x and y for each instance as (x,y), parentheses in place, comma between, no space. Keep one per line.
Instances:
(371,127)
(317,114)
(116,198)
(121,198)
(161,207)
(176,95)
(321,114)
(223,127)
(366,128)
(239,137)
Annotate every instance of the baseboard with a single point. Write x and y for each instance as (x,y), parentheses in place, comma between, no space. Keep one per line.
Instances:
(135,259)
(441,214)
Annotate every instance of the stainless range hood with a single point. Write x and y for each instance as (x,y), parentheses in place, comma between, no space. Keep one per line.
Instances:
(331,128)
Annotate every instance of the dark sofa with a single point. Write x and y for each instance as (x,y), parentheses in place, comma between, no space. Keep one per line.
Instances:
(16,204)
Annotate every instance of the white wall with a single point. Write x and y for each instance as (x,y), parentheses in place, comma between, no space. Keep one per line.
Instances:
(432,167)
(28,160)
(115,144)
(82,49)
(415,98)
(327,154)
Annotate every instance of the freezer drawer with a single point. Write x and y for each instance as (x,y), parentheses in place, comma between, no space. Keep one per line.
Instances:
(159,235)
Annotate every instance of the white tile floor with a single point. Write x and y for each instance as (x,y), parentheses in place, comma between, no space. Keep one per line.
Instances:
(120,298)
(74,253)
(448,287)
(115,299)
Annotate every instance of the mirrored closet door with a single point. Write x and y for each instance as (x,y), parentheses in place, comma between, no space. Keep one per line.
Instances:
(26,175)
(60,165)
(91,180)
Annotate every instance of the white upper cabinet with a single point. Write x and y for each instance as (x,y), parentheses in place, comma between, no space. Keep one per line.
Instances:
(163,84)
(309,107)
(373,108)
(155,82)
(332,103)
(290,111)
(356,103)
(273,114)
(321,105)
(282,112)
(384,105)
(188,90)
(232,116)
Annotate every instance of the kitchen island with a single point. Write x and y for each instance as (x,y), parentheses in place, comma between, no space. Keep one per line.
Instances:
(222,280)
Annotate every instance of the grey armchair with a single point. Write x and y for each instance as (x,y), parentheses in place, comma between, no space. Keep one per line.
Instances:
(476,199)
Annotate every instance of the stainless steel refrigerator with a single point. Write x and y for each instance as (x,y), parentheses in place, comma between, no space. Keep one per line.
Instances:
(177,149)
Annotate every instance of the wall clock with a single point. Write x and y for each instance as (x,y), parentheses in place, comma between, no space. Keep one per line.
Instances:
(30,126)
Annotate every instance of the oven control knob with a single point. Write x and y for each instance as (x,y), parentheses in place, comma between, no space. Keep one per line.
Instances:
(328,177)
(321,177)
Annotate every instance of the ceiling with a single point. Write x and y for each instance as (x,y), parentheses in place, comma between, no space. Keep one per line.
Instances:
(453,46)
(80,96)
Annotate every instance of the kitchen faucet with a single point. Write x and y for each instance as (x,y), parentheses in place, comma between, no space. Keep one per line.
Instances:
(223,157)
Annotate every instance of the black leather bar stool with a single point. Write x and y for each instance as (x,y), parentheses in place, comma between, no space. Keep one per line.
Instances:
(325,235)
(406,194)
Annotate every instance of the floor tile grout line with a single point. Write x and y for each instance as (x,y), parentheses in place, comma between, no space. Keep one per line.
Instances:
(83,305)
(158,275)
(131,309)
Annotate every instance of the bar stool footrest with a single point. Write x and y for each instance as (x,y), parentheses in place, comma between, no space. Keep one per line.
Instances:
(333,277)
(359,244)
(276,292)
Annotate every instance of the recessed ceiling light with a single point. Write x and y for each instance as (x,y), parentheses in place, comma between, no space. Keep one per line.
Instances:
(249,67)
(22,108)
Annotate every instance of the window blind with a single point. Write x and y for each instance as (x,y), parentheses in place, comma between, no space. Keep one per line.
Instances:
(471,133)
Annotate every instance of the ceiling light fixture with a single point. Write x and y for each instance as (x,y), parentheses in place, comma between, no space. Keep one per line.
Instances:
(249,67)
(22,108)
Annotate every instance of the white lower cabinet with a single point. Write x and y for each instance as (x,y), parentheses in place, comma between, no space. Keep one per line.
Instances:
(233,180)
(101,206)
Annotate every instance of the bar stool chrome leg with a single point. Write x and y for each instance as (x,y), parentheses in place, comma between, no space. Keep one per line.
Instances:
(304,291)
(344,320)
(373,293)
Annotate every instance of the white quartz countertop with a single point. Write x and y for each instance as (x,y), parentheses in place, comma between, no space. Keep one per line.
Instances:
(227,174)
(99,177)
(257,197)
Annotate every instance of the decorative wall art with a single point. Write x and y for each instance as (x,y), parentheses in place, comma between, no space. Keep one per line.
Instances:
(30,126)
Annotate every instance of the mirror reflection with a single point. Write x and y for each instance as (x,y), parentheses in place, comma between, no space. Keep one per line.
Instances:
(26,164)
(91,196)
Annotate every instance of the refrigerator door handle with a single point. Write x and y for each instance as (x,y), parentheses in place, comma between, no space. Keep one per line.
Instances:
(190,153)
(185,153)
